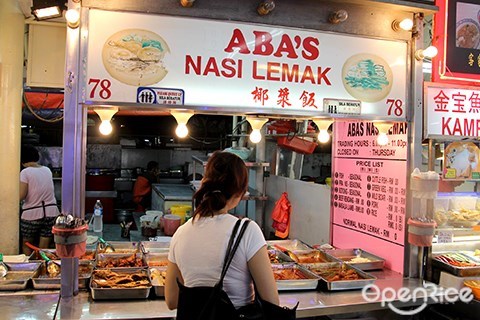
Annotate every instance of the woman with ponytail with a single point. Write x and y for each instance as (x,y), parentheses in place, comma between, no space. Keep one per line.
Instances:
(198,247)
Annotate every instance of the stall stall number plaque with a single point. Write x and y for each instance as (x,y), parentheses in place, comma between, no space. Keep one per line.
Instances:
(336,106)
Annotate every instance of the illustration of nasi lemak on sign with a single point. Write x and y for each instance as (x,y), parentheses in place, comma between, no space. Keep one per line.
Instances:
(461,161)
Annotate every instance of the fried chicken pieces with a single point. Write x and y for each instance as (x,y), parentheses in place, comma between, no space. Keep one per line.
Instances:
(111,279)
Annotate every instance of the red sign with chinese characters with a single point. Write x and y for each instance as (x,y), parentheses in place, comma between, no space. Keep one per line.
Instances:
(457,38)
(369,190)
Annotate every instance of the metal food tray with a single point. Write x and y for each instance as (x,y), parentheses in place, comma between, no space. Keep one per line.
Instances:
(35,256)
(101,257)
(310,283)
(154,246)
(42,281)
(291,245)
(120,293)
(341,284)
(345,255)
(151,258)
(282,257)
(317,254)
(18,275)
(457,271)
(158,288)
(120,247)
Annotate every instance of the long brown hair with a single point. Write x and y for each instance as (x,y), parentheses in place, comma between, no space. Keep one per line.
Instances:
(225,176)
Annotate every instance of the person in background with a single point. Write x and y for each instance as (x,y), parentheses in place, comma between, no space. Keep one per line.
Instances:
(142,190)
(39,208)
(198,247)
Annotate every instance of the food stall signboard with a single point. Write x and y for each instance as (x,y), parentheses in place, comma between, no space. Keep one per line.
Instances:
(230,65)
(451,111)
(457,38)
(461,161)
(369,190)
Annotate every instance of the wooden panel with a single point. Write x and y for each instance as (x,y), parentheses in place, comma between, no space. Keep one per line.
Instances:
(46,55)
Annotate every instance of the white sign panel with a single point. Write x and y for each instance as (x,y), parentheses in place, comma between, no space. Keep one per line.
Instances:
(231,64)
(451,111)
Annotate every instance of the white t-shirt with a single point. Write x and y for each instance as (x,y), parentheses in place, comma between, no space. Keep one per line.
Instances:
(40,188)
(198,249)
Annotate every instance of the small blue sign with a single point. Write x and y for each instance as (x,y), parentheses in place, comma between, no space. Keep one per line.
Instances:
(146,95)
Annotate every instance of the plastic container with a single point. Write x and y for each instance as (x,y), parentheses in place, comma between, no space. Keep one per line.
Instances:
(70,243)
(154,213)
(149,225)
(98,217)
(421,233)
(171,224)
(297,144)
(182,211)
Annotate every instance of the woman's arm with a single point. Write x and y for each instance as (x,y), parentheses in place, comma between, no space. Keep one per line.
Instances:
(23,190)
(261,271)
(171,286)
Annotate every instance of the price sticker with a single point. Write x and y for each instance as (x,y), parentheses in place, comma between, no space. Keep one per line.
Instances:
(445,237)
(335,106)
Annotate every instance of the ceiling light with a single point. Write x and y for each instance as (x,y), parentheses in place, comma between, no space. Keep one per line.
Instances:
(257,124)
(47,9)
(106,115)
(405,24)
(73,18)
(182,118)
(323,125)
(382,128)
(429,53)
(265,7)
(338,16)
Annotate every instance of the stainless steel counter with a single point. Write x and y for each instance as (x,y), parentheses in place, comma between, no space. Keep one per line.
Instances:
(312,303)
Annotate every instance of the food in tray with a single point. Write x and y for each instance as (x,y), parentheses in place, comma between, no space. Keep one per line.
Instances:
(16,276)
(158,276)
(457,260)
(477,252)
(288,274)
(475,286)
(121,262)
(309,257)
(336,273)
(355,259)
(52,255)
(464,217)
(112,279)
(440,216)
(84,271)
(272,255)
(162,263)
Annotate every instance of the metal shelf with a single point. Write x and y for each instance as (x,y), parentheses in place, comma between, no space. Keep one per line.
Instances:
(250,164)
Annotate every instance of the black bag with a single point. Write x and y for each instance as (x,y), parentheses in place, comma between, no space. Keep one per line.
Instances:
(263,310)
(210,303)
(213,303)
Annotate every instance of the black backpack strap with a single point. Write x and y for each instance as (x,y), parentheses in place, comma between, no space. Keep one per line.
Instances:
(230,242)
(231,250)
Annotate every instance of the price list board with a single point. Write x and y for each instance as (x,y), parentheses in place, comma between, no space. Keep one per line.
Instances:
(369,189)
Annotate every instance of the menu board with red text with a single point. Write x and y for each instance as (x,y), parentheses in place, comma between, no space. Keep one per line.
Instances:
(369,185)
